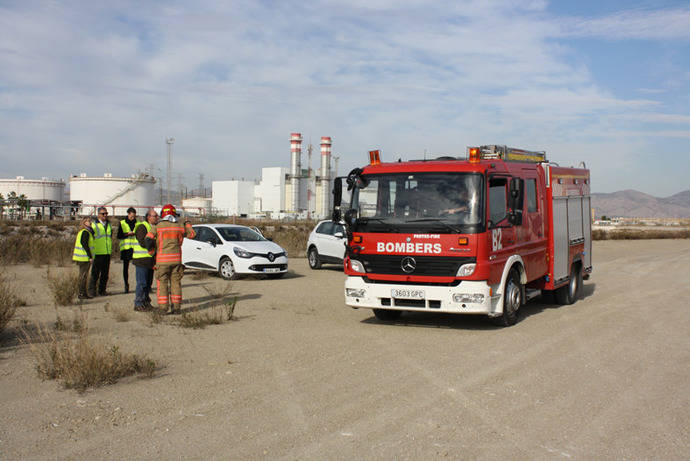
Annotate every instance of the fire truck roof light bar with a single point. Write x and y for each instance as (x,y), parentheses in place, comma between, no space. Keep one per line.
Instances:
(508,154)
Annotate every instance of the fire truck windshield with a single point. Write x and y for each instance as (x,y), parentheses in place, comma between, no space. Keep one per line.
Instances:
(438,202)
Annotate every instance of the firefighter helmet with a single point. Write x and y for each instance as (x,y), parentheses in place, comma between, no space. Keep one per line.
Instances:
(168,210)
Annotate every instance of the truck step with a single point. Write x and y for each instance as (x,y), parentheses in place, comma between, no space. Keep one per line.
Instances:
(531,293)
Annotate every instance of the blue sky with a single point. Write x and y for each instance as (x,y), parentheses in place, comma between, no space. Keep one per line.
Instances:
(96,87)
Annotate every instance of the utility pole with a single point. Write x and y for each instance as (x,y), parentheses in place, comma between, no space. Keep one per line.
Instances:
(169,141)
(180,186)
(201,191)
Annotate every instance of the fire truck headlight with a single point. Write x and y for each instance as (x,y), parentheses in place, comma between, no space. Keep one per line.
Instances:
(357,266)
(464,298)
(355,292)
(465,270)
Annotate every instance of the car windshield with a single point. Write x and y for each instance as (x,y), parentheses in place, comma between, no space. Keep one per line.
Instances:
(239,234)
(439,202)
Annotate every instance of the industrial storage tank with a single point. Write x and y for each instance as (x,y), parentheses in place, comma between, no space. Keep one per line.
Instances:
(197,206)
(37,190)
(116,194)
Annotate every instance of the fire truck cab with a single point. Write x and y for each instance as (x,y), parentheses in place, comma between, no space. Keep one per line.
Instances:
(477,235)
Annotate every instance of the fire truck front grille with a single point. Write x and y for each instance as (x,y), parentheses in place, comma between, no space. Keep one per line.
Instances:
(423,265)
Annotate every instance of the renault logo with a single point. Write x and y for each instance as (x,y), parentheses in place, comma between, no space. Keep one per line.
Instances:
(408,264)
(271,257)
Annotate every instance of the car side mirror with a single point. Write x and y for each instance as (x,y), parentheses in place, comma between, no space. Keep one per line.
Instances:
(515,202)
(212,243)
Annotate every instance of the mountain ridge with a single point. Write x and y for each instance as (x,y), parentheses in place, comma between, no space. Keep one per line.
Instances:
(632,203)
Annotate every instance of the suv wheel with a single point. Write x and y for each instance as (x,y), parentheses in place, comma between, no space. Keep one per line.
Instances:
(313,257)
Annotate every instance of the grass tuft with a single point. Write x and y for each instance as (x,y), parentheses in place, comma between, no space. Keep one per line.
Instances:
(216,315)
(9,301)
(64,287)
(81,362)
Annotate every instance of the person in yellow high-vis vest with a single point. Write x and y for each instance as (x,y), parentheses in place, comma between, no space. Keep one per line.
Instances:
(103,247)
(144,260)
(125,234)
(83,254)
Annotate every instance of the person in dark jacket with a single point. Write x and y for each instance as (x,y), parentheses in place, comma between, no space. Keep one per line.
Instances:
(144,260)
(125,234)
(83,254)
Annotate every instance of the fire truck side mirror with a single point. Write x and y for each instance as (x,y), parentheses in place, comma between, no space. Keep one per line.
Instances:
(337,198)
(516,200)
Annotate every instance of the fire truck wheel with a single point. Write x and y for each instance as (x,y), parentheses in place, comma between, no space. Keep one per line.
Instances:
(313,258)
(512,300)
(387,314)
(569,293)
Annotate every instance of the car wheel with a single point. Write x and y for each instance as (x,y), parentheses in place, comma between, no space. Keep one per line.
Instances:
(226,269)
(512,300)
(313,258)
(387,314)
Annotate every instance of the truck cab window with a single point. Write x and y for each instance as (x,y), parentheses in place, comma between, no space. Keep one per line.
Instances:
(531,195)
(498,204)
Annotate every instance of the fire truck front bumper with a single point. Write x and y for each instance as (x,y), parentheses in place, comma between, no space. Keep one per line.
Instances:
(469,297)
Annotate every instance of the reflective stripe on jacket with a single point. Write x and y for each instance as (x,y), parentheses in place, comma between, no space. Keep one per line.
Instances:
(103,237)
(139,251)
(127,242)
(169,237)
(80,254)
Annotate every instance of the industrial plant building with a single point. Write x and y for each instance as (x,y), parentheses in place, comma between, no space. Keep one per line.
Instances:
(292,193)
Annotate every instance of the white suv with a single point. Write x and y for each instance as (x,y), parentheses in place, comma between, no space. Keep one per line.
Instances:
(326,244)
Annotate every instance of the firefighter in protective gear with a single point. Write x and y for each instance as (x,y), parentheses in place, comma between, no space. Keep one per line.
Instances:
(169,234)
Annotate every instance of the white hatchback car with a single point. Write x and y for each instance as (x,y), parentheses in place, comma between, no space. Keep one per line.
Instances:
(326,244)
(233,250)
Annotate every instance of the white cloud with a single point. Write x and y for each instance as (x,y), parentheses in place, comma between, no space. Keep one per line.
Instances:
(96,88)
(635,24)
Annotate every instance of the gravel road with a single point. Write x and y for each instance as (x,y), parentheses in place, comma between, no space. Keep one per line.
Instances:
(299,375)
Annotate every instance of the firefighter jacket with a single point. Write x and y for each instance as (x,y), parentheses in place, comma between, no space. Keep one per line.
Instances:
(169,236)
(103,238)
(83,246)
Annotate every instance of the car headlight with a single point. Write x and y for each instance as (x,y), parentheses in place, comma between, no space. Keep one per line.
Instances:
(465,270)
(284,251)
(355,292)
(357,266)
(463,298)
(242,253)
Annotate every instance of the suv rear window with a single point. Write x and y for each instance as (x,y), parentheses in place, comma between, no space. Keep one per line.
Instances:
(325,228)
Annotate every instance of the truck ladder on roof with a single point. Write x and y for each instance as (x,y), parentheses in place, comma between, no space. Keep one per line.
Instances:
(511,154)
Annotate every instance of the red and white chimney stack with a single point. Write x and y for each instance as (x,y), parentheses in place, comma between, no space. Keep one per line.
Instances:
(325,175)
(295,169)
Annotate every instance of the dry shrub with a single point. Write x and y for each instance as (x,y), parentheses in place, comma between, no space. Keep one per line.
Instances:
(77,325)
(156,317)
(81,362)
(9,301)
(216,315)
(17,249)
(639,234)
(200,275)
(218,293)
(64,287)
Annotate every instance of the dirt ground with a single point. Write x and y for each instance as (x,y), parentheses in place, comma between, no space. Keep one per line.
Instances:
(300,376)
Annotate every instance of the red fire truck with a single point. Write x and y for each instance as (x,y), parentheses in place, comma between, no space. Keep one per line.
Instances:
(474,235)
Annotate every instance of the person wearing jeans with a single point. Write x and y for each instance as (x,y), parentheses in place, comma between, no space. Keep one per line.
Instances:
(143,258)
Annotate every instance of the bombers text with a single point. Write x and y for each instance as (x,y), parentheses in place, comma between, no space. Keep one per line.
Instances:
(402,247)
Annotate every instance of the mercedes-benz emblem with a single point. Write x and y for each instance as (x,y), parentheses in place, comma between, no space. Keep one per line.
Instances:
(271,257)
(408,264)
(408,239)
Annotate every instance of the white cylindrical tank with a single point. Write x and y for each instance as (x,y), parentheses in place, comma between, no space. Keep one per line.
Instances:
(200,206)
(116,194)
(38,190)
